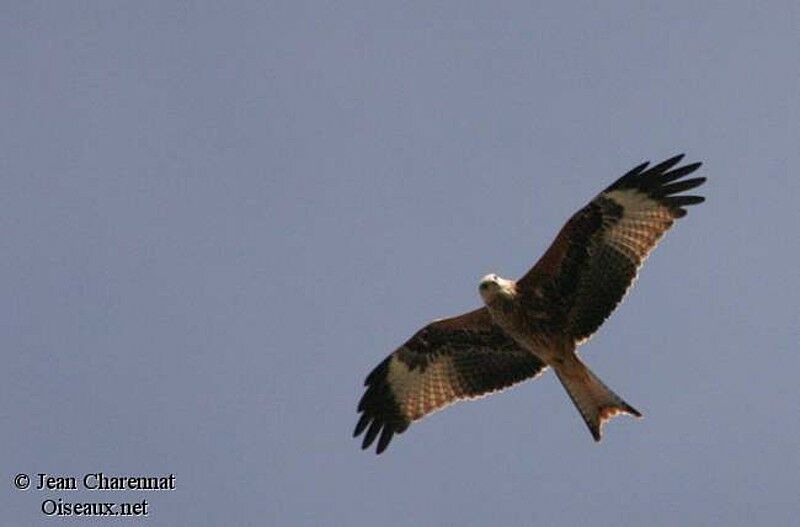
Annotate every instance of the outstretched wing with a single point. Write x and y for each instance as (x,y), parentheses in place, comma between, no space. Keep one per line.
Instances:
(595,258)
(464,357)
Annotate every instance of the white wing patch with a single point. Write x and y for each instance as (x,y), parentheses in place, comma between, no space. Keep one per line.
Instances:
(644,221)
(420,393)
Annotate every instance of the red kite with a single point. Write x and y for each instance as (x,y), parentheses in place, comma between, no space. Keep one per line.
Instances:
(539,320)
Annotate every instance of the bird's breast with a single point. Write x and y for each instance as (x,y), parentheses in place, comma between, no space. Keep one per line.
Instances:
(532,329)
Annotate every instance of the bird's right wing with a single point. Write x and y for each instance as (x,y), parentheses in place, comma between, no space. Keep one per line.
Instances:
(463,357)
(595,258)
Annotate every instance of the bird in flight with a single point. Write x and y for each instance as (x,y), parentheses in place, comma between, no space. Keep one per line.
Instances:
(540,319)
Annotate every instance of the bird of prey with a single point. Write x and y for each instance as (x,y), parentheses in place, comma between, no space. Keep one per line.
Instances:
(540,319)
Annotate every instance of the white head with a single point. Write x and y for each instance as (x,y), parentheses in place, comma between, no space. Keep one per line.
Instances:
(492,285)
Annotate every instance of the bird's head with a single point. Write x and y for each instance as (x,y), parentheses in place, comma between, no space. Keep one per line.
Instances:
(492,287)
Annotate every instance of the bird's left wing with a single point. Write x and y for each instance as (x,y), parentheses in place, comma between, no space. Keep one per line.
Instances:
(463,357)
(596,256)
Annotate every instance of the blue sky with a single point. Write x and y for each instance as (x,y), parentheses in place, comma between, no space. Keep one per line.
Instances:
(219,218)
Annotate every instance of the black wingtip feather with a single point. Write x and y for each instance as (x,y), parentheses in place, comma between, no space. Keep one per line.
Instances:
(371,434)
(662,182)
(386,437)
(380,413)
(666,164)
(361,425)
(678,173)
(682,201)
(378,372)
(632,174)
(681,186)
(638,169)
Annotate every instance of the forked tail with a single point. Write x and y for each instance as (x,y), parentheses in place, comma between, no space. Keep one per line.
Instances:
(594,400)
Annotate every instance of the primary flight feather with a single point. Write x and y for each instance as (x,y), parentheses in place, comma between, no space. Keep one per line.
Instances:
(539,320)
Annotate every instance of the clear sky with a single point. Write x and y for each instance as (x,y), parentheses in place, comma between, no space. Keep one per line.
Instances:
(218,217)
